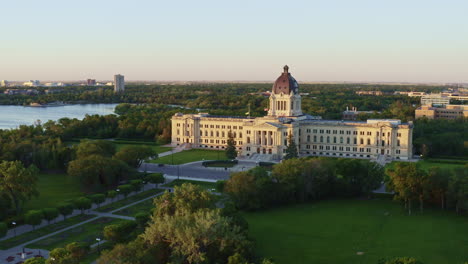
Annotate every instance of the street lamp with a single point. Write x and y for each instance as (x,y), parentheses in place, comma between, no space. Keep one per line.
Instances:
(14,228)
(144,184)
(98,241)
(118,190)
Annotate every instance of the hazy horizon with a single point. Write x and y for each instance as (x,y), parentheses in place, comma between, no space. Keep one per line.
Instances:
(321,41)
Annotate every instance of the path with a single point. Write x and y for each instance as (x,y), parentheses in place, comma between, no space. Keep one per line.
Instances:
(13,252)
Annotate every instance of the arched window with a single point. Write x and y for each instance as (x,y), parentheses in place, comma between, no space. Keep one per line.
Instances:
(328,139)
(315,138)
(368,141)
(341,140)
(362,141)
(321,138)
(334,139)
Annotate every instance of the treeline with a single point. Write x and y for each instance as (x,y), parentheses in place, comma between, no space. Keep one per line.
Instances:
(96,165)
(447,188)
(441,138)
(301,180)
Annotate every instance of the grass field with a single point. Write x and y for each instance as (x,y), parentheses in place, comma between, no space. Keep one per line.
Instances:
(128,200)
(206,185)
(425,164)
(334,231)
(28,236)
(157,149)
(54,189)
(144,206)
(191,156)
(86,233)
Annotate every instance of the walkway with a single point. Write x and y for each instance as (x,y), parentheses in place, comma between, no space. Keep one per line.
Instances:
(16,251)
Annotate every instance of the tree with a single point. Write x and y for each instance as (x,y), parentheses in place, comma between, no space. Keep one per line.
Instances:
(3,229)
(231,152)
(34,218)
(137,252)
(155,178)
(458,188)
(136,185)
(111,194)
(58,256)
(142,218)
(35,260)
(125,189)
(77,251)
(119,232)
(207,236)
(97,198)
(96,172)
(65,209)
(409,182)
(88,148)
(50,214)
(18,182)
(439,179)
(133,156)
(82,203)
(291,150)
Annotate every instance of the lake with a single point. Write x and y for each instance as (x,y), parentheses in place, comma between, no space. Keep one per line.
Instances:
(11,116)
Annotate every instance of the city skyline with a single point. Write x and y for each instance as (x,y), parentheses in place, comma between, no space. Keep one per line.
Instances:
(334,41)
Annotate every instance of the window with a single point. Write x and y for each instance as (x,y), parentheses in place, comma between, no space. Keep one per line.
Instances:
(315,138)
(328,131)
(368,141)
(341,140)
(347,140)
(361,133)
(328,139)
(354,132)
(369,133)
(398,143)
(398,134)
(355,141)
(398,151)
(334,140)
(308,138)
(361,141)
(315,130)
(321,139)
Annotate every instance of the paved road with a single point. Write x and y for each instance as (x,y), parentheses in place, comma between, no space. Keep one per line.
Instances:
(196,170)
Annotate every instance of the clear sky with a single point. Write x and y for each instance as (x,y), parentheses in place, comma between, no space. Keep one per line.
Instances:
(327,40)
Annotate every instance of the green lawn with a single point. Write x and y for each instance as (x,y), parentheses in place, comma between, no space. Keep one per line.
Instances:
(86,233)
(191,155)
(427,164)
(25,237)
(206,185)
(54,189)
(128,200)
(334,231)
(144,206)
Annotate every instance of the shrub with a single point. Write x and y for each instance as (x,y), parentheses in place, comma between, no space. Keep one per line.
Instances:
(34,218)
(119,232)
(125,189)
(155,178)
(111,194)
(220,186)
(136,184)
(3,229)
(82,203)
(98,198)
(50,214)
(65,209)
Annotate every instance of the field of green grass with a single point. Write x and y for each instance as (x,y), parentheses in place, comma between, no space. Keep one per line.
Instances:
(334,231)
(53,189)
(191,155)
(144,206)
(86,233)
(28,236)
(427,164)
(206,185)
(130,199)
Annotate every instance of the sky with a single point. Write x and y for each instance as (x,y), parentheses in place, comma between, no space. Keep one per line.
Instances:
(327,40)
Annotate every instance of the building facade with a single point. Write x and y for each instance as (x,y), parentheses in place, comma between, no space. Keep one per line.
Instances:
(268,136)
(435,100)
(119,83)
(447,112)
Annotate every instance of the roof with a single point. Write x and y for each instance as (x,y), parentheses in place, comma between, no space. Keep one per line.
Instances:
(285,83)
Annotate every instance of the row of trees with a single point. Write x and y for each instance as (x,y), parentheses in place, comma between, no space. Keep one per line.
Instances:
(438,186)
(305,179)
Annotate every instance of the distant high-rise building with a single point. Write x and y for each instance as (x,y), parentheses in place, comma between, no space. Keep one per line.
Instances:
(91,82)
(4,83)
(119,83)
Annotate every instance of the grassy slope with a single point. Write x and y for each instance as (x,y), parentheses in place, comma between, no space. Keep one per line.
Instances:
(333,231)
(54,189)
(206,185)
(192,155)
(86,233)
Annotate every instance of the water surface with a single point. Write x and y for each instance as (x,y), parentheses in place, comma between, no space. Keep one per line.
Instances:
(11,116)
